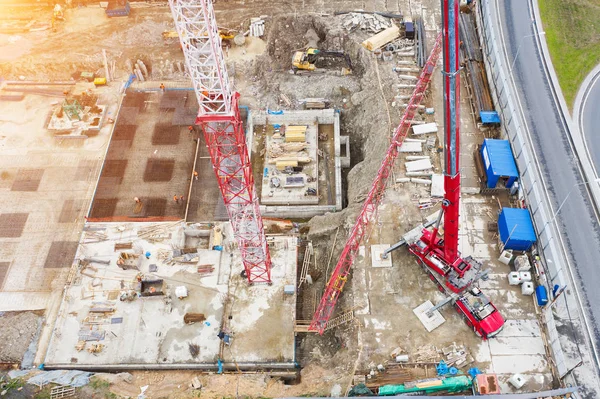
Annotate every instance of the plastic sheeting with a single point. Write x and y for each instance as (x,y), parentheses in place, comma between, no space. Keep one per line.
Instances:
(74,378)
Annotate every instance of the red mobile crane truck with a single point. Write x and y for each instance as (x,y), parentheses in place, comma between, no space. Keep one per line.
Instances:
(454,274)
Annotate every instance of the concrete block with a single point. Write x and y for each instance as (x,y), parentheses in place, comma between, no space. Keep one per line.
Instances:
(411,146)
(376,259)
(415,166)
(522,263)
(527,288)
(514,278)
(430,323)
(525,276)
(505,257)
(517,380)
(425,128)
(289,289)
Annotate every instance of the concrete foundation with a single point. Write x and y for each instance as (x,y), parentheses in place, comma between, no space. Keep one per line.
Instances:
(322,174)
(134,312)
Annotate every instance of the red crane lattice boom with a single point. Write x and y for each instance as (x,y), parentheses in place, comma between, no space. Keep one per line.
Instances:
(220,120)
(340,274)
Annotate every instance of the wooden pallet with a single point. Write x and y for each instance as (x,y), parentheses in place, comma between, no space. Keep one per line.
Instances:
(62,392)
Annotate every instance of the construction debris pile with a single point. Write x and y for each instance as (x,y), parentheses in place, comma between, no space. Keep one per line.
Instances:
(257,26)
(432,371)
(369,22)
(78,116)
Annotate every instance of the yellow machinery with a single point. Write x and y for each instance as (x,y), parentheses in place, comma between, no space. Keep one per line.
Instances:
(226,34)
(309,59)
(57,15)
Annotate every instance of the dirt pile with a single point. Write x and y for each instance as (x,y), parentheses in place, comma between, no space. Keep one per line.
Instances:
(17,331)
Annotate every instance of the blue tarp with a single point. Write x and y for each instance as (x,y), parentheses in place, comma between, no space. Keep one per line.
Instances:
(516,229)
(498,162)
(489,117)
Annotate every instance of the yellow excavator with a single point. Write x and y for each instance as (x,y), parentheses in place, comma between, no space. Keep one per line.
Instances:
(312,59)
(227,35)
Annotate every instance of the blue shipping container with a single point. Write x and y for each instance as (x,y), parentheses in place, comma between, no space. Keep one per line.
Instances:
(498,162)
(516,229)
(541,295)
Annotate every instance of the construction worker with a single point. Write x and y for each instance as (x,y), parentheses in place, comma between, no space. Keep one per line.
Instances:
(176,199)
(162,87)
(191,129)
(137,200)
(195,175)
(181,198)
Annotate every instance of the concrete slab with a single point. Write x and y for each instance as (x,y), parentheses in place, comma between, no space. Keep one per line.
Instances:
(521,328)
(376,256)
(429,322)
(260,319)
(519,364)
(425,128)
(417,166)
(517,346)
(411,146)
(39,173)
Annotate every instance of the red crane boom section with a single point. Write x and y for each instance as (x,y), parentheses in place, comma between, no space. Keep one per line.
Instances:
(451,80)
(339,276)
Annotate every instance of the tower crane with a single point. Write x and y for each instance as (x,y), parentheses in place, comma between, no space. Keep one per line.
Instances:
(439,257)
(219,118)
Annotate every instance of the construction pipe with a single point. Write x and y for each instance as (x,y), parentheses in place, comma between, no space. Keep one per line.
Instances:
(408,77)
(419,174)
(414,106)
(412,70)
(405,86)
(246,366)
(420,181)
(403,180)
(407,54)
(402,62)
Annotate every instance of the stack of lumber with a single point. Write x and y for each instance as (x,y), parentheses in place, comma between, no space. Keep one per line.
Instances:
(382,38)
(281,165)
(315,105)
(295,134)
(427,353)
(393,375)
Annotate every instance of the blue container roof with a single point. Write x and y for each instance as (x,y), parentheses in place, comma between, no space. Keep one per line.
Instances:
(489,117)
(501,158)
(511,217)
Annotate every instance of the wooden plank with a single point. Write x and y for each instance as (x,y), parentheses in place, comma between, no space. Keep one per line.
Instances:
(382,38)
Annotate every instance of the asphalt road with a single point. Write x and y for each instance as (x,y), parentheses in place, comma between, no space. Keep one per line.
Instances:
(577,220)
(590,122)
